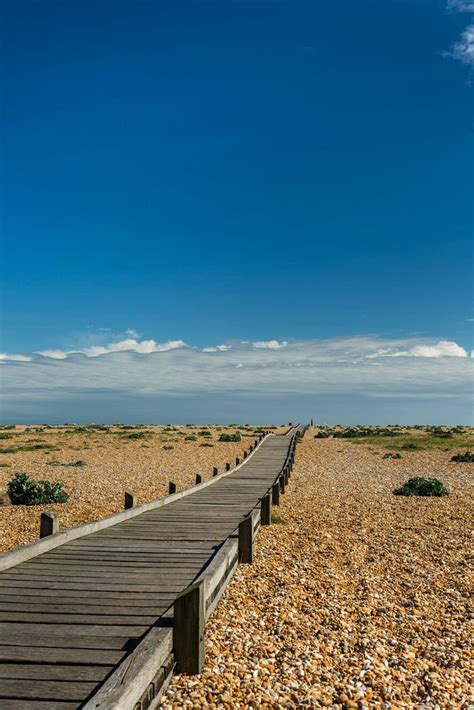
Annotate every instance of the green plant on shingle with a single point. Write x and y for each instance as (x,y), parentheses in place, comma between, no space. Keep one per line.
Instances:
(419,486)
(206,443)
(230,437)
(138,435)
(190,438)
(167,448)
(23,490)
(392,456)
(322,435)
(463,458)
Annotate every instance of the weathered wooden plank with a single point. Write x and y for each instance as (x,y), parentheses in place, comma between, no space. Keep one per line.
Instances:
(131,610)
(59,618)
(102,596)
(9,704)
(41,654)
(39,671)
(106,643)
(46,689)
(73,629)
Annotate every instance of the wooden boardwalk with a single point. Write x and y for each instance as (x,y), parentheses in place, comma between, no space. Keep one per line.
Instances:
(70,616)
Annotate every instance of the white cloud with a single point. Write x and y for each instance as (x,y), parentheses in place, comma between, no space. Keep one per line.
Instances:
(463,49)
(460,6)
(443,348)
(411,367)
(223,348)
(144,347)
(209,350)
(14,358)
(270,344)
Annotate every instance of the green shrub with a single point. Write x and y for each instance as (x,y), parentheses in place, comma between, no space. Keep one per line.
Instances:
(418,486)
(74,464)
(167,448)
(441,433)
(204,432)
(23,490)
(190,438)
(206,443)
(230,437)
(392,456)
(410,447)
(6,436)
(276,520)
(322,435)
(137,435)
(463,458)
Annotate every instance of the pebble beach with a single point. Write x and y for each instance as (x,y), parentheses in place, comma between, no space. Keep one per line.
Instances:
(357,598)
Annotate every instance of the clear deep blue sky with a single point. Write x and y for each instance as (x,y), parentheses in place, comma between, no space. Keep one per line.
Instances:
(234,170)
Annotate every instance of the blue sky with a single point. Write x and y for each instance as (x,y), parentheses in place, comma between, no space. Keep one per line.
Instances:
(219,172)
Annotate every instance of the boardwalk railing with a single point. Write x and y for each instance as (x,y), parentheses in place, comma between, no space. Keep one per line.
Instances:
(177,642)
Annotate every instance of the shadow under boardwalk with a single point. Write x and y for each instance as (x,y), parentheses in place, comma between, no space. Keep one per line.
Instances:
(69,616)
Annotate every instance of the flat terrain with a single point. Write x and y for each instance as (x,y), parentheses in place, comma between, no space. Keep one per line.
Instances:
(358,599)
(96,467)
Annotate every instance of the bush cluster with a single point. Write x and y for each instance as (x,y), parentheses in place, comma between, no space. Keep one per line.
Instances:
(23,490)
(463,458)
(230,437)
(418,486)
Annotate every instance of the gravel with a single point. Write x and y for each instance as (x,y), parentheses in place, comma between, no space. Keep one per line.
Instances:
(359,600)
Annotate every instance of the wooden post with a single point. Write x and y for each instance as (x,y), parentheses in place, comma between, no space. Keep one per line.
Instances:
(171,488)
(198,478)
(282,483)
(245,454)
(227,467)
(276,493)
(237,461)
(286,474)
(188,629)
(49,524)
(215,471)
(129,501)
(246,540)
(266,510)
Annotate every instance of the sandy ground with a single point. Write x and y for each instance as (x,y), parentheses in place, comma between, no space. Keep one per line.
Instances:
(113,464)
(358,600)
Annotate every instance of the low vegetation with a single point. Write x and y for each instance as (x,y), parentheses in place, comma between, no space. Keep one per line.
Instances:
(73,464)
(419,486)
(23,490)
(230,437)
(467,457)
(402,438)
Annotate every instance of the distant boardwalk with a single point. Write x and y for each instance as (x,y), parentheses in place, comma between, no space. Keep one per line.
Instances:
(74,616)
